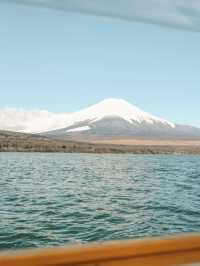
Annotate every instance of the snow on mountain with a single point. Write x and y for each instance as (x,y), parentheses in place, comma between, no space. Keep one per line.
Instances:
(37,121)
(115,108)
(118,119)
(78,129)
(108,119)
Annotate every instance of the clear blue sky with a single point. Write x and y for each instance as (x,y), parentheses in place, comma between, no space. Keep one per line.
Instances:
(63,62)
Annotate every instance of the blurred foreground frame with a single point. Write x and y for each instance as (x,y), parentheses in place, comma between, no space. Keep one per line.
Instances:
(181,14)
(173,250)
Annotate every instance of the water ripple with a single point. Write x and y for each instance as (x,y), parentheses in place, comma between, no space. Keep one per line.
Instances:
(59,199)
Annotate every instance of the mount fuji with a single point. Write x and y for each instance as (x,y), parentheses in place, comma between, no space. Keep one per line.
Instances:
(118,119)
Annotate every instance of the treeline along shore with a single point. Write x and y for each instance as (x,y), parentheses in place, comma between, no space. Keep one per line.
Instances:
(19,142)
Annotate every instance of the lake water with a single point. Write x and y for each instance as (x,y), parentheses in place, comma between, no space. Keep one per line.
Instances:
(60,199)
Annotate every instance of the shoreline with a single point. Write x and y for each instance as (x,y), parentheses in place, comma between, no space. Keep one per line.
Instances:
(107,149)
(17,142)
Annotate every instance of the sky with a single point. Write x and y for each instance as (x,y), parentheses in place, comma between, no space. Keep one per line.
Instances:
(63,62)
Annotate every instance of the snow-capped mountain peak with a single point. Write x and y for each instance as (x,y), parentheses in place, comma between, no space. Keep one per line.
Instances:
(117,108)
(108,119)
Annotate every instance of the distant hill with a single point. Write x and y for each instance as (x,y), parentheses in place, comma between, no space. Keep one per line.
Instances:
(19,142)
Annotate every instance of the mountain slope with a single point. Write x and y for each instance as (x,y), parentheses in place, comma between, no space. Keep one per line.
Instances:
(20,142)
(116,108)
(118,119)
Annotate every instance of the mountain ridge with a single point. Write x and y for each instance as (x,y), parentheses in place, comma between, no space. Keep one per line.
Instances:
(117,119)
(116,108)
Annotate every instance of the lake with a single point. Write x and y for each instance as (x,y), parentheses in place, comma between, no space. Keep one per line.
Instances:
(60,199)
